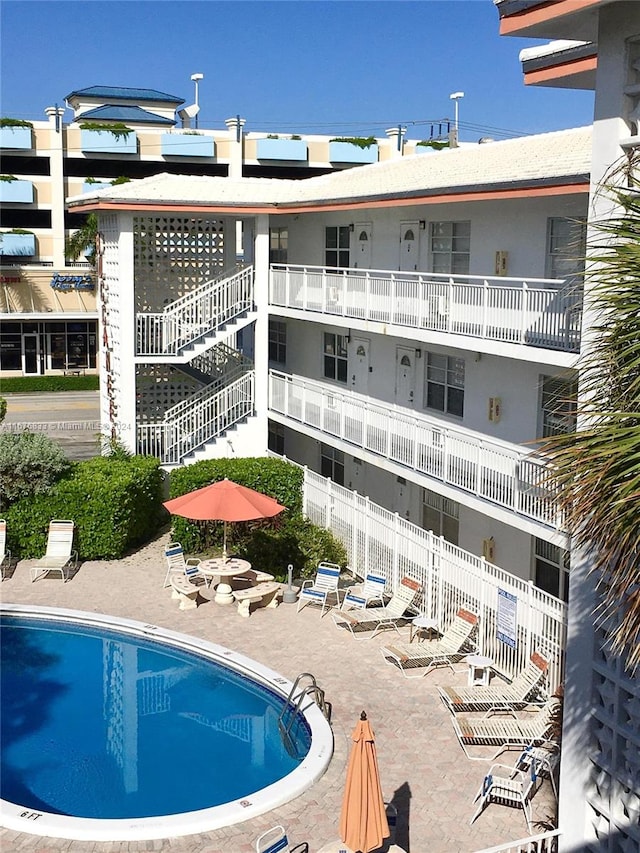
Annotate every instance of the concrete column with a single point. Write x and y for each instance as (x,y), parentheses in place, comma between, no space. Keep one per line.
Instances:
(396,135)
(56,140)
(236,138)
(261,342)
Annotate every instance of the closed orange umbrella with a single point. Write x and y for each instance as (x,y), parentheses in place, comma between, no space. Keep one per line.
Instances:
(363,821)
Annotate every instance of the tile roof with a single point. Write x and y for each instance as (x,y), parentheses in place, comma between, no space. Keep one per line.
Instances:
(110,112)
(547,159)
(123,93)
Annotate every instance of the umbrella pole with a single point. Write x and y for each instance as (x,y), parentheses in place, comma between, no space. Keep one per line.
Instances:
(224,540)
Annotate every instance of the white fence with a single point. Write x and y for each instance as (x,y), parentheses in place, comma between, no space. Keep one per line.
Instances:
(498,472)
(380,541)
(535,312)
(196,314)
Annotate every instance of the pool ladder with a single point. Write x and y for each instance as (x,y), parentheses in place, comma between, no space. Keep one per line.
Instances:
(293,705)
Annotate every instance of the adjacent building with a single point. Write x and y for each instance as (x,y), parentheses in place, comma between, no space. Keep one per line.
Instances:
(48,311)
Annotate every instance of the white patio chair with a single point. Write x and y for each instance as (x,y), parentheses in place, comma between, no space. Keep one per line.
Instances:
(504,697)
(453,645)
(275,840)
(362,595)
(60,556)
(368,618)
(176,563)
(507,786)
(5,554)
(318,590)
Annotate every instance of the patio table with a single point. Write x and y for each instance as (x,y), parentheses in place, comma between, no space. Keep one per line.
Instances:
(224,570)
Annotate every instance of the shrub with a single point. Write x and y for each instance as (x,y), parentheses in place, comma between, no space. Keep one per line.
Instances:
(18,384)
(115,504)
(29,464)
(3,409)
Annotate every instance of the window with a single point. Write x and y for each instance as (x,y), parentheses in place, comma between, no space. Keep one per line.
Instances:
(275,438)
(336,246)
(332,463)
(277,341)
(450,245)
(440,515)
(278,245)
(445,384)
(558,405)
(335,357)
(566,249)
(551,569)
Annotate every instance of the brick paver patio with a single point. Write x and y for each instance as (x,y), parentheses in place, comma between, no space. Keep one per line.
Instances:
(423,769)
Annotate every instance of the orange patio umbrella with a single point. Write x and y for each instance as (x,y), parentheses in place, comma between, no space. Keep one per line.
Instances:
(224,501)
(363,821)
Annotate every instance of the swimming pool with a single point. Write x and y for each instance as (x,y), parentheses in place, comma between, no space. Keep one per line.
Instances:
(115,730)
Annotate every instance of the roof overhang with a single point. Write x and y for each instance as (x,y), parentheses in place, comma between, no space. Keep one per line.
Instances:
(534,189)
(571,67)
(572,19)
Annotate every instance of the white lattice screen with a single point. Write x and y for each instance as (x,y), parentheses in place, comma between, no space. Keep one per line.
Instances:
(174,255)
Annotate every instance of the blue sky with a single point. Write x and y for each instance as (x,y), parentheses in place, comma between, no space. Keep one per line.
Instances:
(338,67)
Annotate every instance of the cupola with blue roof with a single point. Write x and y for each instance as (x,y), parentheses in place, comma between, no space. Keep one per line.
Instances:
(120,103)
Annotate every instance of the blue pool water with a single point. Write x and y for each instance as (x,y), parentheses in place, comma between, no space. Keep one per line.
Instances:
(101,724)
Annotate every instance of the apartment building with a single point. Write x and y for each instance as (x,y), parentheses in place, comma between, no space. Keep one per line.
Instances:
(48,303)
(596,45)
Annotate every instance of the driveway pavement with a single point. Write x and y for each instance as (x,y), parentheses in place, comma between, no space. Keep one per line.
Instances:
(423,769)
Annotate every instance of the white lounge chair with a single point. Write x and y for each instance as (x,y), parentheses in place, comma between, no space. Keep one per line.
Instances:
(318,590)
(60,556)
(176,563)
(362,595)
(375,618)
(5,554)
(505,732)
(453,645)
(508,786)
(524,688)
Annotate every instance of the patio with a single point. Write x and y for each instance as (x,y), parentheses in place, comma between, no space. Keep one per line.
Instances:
(424,771)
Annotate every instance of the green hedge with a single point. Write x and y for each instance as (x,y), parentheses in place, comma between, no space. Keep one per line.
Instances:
(116,504)
(17,384)
(269,544)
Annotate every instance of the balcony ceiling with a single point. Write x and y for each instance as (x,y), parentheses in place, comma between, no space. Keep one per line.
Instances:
(570,19)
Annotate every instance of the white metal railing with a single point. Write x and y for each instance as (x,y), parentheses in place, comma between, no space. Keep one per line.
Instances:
(380,541)
(501,473)
(206,418)
(533,312)
(545,842)
(198,313)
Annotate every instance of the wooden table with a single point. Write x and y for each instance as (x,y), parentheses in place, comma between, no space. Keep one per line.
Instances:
(224,570)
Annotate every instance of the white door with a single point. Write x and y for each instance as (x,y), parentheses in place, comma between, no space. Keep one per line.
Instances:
(362,248)
(402,498)
(360,365)
(409,245)
(405,376)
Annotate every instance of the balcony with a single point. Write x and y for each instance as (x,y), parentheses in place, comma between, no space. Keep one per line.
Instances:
(16,192)
(532,312)
(282,149)
(497,472)
(105,142)
(347,152)
(17,245)
(16,138)
(187,145)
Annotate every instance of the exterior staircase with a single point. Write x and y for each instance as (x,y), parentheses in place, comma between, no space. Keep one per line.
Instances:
(193,324)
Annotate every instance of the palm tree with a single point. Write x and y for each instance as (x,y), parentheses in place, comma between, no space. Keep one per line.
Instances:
(82,239)
(597,469)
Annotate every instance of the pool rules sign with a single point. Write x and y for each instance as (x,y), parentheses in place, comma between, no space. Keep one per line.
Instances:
(507,618)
